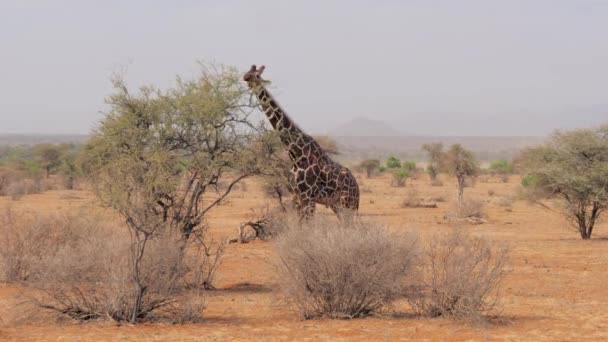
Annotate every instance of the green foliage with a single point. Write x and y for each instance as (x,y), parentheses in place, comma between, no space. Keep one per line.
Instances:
(382,169)
(393,162)
(460,162)
(370,166)
(501,167)
(400,176)
(435,158)
(157,153)
(409,165)
(572,166)
(529,181)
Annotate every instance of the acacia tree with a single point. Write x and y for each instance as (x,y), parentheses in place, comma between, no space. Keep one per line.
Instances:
(435,158)
(158,157)
(571,167)
(460,163)
(49,157)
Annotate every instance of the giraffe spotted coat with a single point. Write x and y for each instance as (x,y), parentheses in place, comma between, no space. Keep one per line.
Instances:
(315,177)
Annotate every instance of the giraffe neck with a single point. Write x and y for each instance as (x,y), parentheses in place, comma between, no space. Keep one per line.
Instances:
(298,143)
(279,120)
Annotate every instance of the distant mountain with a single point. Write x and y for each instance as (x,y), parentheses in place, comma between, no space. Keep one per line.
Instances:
(364,127)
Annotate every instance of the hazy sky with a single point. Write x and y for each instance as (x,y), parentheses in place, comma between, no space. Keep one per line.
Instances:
(510,67)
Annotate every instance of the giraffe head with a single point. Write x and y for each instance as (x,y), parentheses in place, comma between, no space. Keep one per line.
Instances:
(254,75)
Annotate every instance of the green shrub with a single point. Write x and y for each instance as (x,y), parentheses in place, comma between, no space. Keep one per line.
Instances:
(399,177)
(393,162)
(409,165)
(502,167)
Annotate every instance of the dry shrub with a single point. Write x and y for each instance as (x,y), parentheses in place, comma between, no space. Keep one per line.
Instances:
(460,277)
(412,199)
(504,178)
(436,182)
(336,270)
(491,192)
(28,240)
(472,208)
(83,265)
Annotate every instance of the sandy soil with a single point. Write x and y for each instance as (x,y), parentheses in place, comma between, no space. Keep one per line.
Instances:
(555,288)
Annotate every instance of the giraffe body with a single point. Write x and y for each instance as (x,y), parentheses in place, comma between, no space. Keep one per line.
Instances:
(315,177)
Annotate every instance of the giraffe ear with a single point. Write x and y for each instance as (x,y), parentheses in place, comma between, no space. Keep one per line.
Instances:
(261,70)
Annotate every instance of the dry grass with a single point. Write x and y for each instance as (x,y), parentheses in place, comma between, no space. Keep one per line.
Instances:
(460,277)
(472,208)
(84,268)
(342,271)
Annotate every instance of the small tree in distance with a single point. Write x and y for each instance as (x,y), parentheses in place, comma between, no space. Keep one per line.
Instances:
(393,162)
(370,166)
(460,163)
(572,167)
(435,158)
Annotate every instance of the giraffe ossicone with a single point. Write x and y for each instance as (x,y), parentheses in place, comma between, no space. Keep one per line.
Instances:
(315,177)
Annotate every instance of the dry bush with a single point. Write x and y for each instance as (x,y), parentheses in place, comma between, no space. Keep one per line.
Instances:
(29,239)
(342,271)
(472,208)
(436,182)
(83,265)
(491,192)
(484,179)
(460,277)
(412,199)
(504,178)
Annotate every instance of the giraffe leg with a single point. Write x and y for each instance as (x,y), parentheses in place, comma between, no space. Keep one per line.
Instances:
(307,209)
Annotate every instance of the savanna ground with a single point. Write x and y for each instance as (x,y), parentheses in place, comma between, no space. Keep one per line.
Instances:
(554,288)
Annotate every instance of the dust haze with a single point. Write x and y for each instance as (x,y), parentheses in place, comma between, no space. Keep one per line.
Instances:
(440,68)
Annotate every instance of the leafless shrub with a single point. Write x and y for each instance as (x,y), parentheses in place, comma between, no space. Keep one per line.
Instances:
(472,208)
(460,277)
(28,239)
(85,268)
(436,182)
(504,178)
(412,199)
(491,192)
(205,260)
(335,270)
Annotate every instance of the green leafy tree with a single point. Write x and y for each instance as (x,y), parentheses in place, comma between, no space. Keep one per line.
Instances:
(460,163)
(571,167)
(393,162)
(435,156)
(400,177)
(409,166)
(501,167)
(158,158)
(49,157)
(370,166)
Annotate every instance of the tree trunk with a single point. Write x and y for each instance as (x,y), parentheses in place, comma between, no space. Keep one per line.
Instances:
(461,180)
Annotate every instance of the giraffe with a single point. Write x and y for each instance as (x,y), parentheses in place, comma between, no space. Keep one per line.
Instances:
(315,177)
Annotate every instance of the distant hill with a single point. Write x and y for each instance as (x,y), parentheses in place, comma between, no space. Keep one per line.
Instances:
(32,139)
(364,127)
